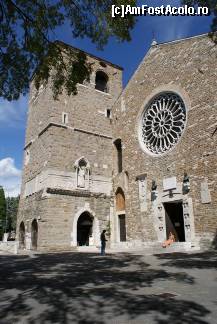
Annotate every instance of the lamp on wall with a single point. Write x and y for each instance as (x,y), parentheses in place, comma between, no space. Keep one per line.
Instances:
(153,185)
(186,183)
(154,192)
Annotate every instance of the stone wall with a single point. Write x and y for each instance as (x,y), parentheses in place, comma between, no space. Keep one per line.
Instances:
(189,68)
(55,214)
(55,145)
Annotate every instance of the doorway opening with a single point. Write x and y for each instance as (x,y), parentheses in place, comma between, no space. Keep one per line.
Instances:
(122,226)
(34,234)
(120,210)
(174,220)
(22,236)
(84,229)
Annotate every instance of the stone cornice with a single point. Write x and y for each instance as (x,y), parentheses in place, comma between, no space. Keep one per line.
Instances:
(75,193)
(67,127)
(92,133)
(28,144)
(50,125)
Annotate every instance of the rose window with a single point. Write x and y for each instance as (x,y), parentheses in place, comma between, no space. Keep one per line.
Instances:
(163,122)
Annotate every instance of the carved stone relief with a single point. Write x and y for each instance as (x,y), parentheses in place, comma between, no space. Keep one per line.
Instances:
(142,192)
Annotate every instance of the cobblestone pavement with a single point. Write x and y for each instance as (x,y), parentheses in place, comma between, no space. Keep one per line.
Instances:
(119,288)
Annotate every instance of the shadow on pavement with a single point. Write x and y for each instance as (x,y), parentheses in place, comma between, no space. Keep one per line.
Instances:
(202,260)
(87,288)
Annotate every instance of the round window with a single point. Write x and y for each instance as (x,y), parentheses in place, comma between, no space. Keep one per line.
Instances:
(162,123)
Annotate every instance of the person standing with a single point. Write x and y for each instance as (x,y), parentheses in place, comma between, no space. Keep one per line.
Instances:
(103,242)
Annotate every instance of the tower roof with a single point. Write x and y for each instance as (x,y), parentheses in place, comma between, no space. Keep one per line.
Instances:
(89,54)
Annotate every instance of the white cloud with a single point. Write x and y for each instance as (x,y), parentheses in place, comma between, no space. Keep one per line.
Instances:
(10,177)
(13,113)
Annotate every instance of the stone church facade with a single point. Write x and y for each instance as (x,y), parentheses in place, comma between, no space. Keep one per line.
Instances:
(139,162)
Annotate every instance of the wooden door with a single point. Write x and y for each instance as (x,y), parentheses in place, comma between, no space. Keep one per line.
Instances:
(122,226)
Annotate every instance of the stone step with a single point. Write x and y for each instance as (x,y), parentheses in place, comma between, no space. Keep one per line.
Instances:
(157,248)
(87,249)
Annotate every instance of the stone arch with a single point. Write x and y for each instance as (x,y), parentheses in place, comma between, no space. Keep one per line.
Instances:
(82,160)
(101,81)
(22,241)
(34,234)
(95,228)
(85,229)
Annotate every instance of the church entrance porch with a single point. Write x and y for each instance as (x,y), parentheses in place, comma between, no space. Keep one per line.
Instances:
(174,220)
(84,229)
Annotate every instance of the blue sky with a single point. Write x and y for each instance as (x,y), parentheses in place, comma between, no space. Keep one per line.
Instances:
(127,55)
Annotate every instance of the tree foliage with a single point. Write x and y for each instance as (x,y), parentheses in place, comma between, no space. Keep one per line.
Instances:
(26,34)
(11,210)
(2,212)
(27,40)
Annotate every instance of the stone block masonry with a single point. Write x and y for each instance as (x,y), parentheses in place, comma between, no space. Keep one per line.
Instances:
(68,163)
(141,162)
(187,68)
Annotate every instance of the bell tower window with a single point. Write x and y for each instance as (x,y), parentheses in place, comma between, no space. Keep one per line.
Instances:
(101,81)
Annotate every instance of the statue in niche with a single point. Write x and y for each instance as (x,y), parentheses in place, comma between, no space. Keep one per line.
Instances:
(154,192)
(186,178)
(81,175)
(82,167)
(186,183)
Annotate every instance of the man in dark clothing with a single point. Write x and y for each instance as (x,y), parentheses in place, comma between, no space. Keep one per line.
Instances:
(103,242)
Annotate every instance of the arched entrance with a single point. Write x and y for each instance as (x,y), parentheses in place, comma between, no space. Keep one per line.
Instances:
(34,234)
(22,236)
(120,211)
(84,229)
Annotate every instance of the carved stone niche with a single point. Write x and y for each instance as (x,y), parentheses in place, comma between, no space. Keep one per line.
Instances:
(160,218)
(189,229)
(205,193)
(142,183)
(185,204)
(82,168)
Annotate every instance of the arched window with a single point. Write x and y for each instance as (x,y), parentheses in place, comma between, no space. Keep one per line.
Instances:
(101,81)
(118,154)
